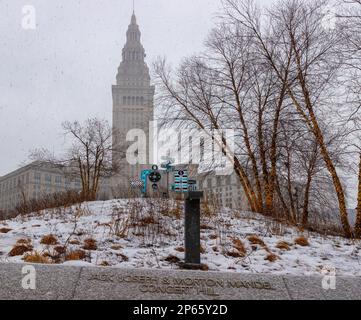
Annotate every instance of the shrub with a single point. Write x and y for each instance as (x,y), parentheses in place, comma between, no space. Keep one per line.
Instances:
(50,240)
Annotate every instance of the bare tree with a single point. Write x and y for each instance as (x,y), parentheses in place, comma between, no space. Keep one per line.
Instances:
(91,152)
(89,156)
(271,76)
(314,64)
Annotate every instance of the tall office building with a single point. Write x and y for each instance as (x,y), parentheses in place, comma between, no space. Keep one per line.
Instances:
(133,104)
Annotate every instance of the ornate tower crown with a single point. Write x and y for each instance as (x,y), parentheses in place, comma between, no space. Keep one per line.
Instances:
(133,67)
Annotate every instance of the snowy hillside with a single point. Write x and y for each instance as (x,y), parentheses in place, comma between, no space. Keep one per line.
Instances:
(141,234)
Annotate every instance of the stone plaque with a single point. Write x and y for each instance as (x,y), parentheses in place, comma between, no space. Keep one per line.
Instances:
(92,283)
(177,285)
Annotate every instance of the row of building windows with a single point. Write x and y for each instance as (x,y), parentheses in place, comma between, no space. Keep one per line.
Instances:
(131,101)
(14,182)
(133,36)
(133,55)
(38,178)
(220,182)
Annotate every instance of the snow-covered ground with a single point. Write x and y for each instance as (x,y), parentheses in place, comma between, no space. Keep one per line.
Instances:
(145,234)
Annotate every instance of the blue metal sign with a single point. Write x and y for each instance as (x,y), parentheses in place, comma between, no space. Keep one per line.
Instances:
(144,178)
(180,181)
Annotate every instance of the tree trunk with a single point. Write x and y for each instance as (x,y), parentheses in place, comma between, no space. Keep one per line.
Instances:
(306,201)
(313,124)
(358,210)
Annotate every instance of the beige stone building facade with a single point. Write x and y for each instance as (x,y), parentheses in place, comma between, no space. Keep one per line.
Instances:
(225,191)
(32,182)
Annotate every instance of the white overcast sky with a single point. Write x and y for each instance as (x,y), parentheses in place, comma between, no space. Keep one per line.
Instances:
(64,69)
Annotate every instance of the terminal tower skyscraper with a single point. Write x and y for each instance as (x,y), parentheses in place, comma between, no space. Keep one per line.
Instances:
(133,105)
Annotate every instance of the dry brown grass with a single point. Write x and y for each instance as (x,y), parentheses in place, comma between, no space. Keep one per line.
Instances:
(116,247)
(90,244)
(75,255)
(123,256)
(283,245)
(60,249)
(215,249)
(234,253)
(174,212)
(57,200)
(5,230)
(206,227)
(172,259)
(239,246)
(74,242)
(302,241)
(105,264)
(271,257)
(204,267)
(36,257)
(24,241)
(179,249)
(49,240)
(256,240)
(213,236)
(20,249)
(145,221)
